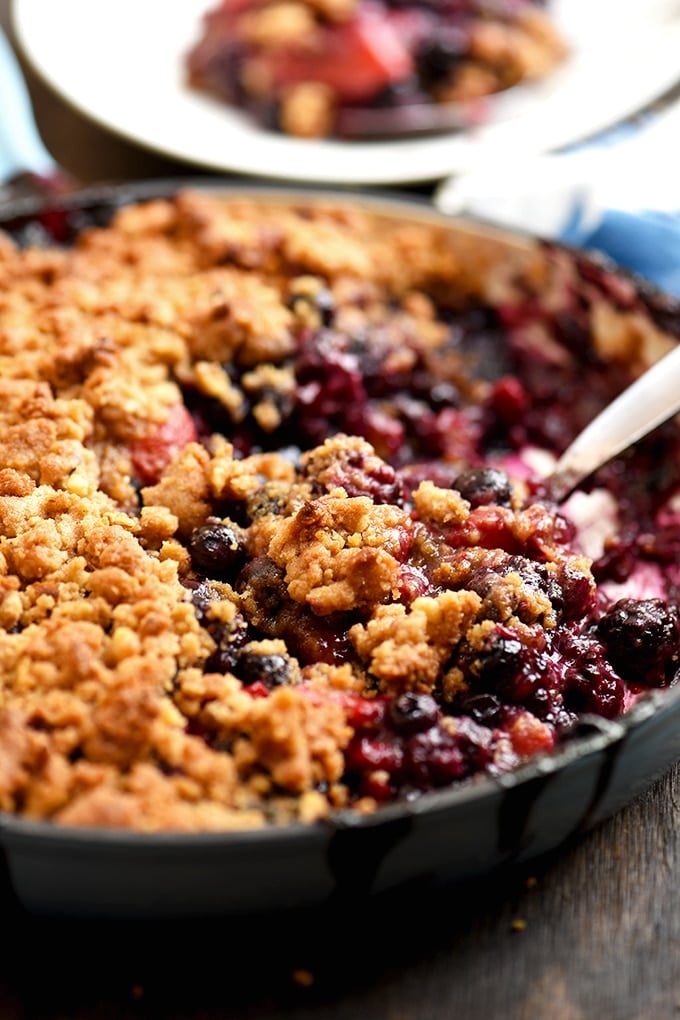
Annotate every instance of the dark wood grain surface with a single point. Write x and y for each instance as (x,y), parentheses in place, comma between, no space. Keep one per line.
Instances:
(592,932)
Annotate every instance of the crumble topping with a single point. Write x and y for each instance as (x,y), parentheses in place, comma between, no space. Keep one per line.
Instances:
(272,537)
(340,552)
(408,648)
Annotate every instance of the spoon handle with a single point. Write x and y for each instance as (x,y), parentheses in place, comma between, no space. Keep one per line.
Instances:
(651,400)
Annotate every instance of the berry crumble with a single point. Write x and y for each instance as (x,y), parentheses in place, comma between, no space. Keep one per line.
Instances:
(275,535)
(317,68)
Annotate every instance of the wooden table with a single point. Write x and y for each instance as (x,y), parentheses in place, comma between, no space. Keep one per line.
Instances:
(593,932)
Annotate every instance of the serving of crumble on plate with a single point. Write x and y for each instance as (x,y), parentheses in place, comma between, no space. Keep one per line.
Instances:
(154,106)
(312,68)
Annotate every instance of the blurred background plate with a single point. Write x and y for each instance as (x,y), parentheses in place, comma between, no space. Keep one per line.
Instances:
(121,65)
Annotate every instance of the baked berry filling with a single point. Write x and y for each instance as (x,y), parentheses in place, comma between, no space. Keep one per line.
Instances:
(551,646)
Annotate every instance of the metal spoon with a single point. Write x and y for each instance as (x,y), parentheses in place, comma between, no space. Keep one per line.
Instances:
(649,401)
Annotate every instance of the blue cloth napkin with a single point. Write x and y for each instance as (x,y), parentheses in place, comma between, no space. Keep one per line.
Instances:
(645,239)
(619,194)
(646,242)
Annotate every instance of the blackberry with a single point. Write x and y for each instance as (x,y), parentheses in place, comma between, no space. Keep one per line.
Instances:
(642,639)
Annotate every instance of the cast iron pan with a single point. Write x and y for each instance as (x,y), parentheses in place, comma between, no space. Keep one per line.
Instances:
(445,836)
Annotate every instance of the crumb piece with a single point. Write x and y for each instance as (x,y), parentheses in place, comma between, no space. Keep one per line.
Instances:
(184,489)
(406,649)
(277,24)
(441,506)
(296,738)
(341,552)
(308,110)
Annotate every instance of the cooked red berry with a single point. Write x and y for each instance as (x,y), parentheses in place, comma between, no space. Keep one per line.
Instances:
(359,475)
(578,598)
(413,583)
(152,453)
(437,756)
(258,690)
(366,713)
(365,754)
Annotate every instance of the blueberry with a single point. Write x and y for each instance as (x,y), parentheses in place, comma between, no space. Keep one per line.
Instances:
(508,668)
(501,659)
(411,712)
(225,656)
(484,486)
(271,670)
(217,548)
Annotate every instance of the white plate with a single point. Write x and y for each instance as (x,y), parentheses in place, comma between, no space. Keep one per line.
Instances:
(120,63)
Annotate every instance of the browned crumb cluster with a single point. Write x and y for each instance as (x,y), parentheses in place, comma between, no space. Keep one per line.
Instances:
(116,709)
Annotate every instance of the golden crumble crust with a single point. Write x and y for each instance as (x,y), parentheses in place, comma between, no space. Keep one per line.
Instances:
(341,553)
(408,648)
